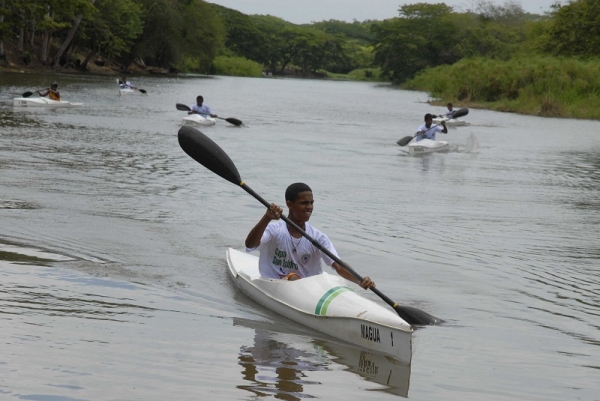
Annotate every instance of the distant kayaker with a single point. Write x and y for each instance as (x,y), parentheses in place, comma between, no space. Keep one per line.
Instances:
(284,252)
(52,92)
(450,112)
(428,131)
(125,84)
(199,108)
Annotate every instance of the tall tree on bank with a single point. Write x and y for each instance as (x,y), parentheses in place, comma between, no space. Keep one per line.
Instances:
(575,29)
(179,29)
(418,39)
(112,31)
(81,8)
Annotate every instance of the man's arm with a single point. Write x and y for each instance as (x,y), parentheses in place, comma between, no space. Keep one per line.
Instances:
(254,236)
(366,283)
(445,130)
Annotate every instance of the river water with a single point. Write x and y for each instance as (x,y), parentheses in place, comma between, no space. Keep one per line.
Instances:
(112,244)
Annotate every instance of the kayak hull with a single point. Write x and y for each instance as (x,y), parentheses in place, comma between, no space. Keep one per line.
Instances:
(451,122)
(425,146)
(326,303)
(196,120)
(43,102)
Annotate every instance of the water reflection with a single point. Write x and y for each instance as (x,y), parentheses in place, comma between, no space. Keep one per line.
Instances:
(275,367)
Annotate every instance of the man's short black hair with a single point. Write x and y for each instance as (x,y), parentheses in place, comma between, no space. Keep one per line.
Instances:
(199,98)
(291,193)
(428,115)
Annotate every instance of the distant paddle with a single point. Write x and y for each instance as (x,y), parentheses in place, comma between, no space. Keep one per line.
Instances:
(29,93)
(234,121)
(460,112)
(457,113)
(206,152)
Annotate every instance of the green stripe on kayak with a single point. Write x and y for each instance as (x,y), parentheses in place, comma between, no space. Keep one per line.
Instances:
(327,298)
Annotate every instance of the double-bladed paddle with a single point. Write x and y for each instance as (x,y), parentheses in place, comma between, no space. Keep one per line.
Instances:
(457,113)
(234,121)
(206,152)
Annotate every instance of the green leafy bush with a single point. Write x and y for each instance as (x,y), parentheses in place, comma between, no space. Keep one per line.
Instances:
(236,66)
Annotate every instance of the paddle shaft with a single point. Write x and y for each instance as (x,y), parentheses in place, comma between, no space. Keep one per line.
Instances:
(327,252)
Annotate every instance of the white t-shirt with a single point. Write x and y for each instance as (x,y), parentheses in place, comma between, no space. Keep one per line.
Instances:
(204,109)
(429,132)
(281,254)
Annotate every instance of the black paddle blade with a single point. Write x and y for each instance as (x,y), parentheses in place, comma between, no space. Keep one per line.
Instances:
(182,107)
(404,141)
(27,94)
(460,113)
(234,121)
(202,149)
(416,317)
(143,91)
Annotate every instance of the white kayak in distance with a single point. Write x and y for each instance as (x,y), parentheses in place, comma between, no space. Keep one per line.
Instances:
(197,120)
(43,102)
(453,122)
(123,91)
(126,91)
(328,304)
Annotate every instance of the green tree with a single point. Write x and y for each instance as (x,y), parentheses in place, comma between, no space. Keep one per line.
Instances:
(176,29)
(575,29)
(421,37)
(244,37)
(113,30)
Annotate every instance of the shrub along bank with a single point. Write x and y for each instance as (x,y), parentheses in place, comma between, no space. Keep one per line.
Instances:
(538,85)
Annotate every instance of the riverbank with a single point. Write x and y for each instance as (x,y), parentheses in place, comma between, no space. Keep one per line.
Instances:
(540,86)
(27,61)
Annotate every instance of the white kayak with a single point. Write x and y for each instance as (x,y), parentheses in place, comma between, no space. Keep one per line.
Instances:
(426,146)
(126,91)
(196,120)
(43,102)
(275,348)
(326,303)
(452,122)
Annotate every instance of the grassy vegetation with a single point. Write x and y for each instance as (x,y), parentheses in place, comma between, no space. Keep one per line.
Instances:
(537,85)
(237,66)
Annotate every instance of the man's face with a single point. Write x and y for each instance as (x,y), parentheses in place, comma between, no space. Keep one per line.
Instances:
(302,208)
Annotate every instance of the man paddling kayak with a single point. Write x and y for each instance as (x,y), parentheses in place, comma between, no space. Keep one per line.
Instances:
(199,108)
(427,131)
(52,92)
(284,252)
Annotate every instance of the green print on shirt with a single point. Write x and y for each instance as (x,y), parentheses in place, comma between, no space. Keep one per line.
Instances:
(279,260)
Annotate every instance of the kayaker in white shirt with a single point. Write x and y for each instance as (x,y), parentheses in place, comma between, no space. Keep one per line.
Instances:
(199,108)
(125,84)
(284,252)
(428,131)
(450,111)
